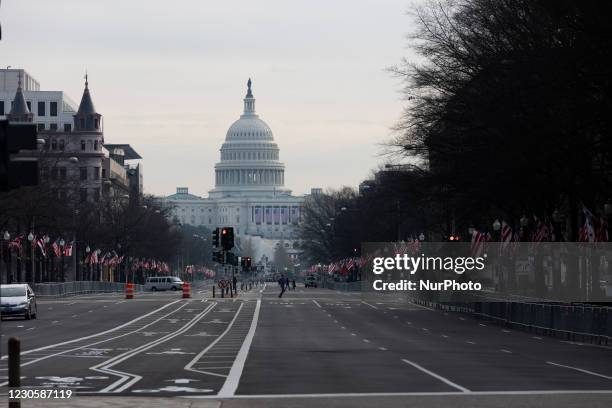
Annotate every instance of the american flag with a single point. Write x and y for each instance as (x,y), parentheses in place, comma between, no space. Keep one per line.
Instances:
(479,240)
(588,230)
(68,249)
(506,234)
(56,249)
(41,245)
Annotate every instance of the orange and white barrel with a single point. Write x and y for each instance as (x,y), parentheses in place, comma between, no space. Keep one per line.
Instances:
(129,291)
(186,290)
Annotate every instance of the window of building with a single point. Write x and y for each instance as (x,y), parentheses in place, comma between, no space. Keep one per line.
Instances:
(210,220)
(29,105)
(53,127)
(41,109)
(53,144)
(83,194)
(96,194)
(237,219)
(96,173)
(103,173)
(1,108)
(82,122)
(67,127)
(83,173)
(83,145)
(61,144)
(62,173)
(40,127)
(53,108)
(53,173)
(95,145)
(97,123)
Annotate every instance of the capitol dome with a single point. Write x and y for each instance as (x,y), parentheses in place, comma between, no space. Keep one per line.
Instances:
(249,162)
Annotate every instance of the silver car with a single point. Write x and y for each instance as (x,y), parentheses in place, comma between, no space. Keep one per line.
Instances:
(18,300)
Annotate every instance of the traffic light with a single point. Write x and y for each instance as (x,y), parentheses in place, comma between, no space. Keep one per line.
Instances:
(217,257)
(245,263)
(231,259)
(227,238)
(215,238)
(452,238)
(15,173)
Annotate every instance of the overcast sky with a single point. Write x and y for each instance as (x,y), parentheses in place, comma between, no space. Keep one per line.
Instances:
(169,77)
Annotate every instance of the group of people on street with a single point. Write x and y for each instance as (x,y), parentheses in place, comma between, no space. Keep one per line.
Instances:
(284,284)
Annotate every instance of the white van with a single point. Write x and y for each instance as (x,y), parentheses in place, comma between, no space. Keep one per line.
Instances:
(156,283)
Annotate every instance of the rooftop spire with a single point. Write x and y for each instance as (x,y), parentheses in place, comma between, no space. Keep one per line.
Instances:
(86,106)
(19,111)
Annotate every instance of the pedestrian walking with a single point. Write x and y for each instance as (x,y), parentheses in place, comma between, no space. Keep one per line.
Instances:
(281,282)
(293,284)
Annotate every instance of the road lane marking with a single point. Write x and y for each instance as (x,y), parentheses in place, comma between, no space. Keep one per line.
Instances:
(506,331)
(366,340)
(536,337)
(196,359)
(56,345)
(405,394)
(439,377)
(470,342)
(445,336)
(382,348)
(233,378)
(121,384)
(366,303)
(317,303)
(505,351)
(353,334)
(483,325)
(582,370)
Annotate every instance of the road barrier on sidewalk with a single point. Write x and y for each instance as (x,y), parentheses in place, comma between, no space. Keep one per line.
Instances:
(186,290)
(62,289)
(129,290)
(574,322)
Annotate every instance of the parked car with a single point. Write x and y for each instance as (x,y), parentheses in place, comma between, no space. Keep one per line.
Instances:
(156,283)
(18,300)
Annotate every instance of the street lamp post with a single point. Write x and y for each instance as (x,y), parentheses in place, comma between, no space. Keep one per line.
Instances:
(62,243)
(30,269)
(87,252)
(5,251)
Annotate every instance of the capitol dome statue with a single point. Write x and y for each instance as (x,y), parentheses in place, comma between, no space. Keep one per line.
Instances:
(249,164)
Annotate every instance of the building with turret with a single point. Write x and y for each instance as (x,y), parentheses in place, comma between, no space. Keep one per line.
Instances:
(73,158)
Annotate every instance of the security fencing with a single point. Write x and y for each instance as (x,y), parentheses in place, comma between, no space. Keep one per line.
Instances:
(572,322)
(63,289)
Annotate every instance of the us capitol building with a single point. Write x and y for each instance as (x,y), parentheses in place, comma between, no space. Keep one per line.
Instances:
(250,193)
